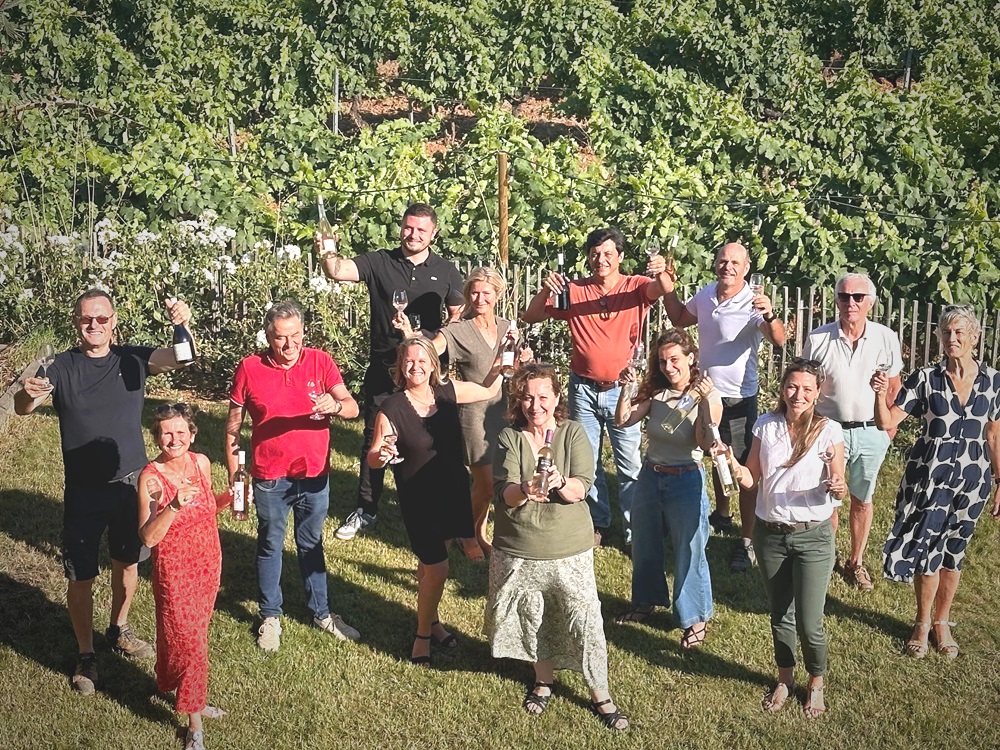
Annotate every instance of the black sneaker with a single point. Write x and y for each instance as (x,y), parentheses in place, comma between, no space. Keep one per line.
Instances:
(722,524)
(85,674)
(743,557)
(126,643)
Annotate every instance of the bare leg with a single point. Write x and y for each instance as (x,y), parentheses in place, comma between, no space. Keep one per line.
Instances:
(194,722)
(429,590)
(544,672)
(124,581)
(482,496)
(942,610)
(861,525)
(80,602)
(925,589)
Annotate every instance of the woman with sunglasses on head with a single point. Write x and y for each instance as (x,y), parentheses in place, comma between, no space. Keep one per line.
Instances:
(473,345)
(417,431)
(670,497)
(177,511)
(796,462)
(951,475)
(542,604)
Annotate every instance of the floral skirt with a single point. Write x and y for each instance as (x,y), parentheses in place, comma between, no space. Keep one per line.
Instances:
(539,610)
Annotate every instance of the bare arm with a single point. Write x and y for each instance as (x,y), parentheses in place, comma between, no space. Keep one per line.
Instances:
(154,524)
(163,359)
(535,312)
(454,313)
(33,393)
(774,331)
(627,413)
(749,474)
(340,269)
(709,413)
(231,449)
(657,267)
(993,449)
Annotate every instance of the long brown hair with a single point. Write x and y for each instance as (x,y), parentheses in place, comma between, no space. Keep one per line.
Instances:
(809,425)
(655,381)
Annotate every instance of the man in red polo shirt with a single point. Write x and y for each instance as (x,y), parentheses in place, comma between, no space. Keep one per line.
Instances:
(606,315)
(290,391)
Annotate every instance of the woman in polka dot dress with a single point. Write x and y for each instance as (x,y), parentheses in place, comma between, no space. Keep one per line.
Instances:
(952,472)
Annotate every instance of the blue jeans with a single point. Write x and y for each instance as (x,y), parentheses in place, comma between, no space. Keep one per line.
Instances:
(308,499)
(595,410)
(676,505)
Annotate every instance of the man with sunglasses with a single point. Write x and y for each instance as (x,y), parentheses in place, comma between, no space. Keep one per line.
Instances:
(606,315)
(97,390)
(732,322)
(850,350)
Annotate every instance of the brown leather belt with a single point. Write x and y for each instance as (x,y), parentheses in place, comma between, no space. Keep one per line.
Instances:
(600,385)
(672,470)
(789,528)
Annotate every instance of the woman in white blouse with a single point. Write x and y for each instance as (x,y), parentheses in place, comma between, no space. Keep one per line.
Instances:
(797,464)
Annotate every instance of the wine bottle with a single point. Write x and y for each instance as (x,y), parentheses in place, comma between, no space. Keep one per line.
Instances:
(325,230)
(685,405)
(562,299)
(508,353)
(240,480)
(540,479)
(183,342)
(729,486)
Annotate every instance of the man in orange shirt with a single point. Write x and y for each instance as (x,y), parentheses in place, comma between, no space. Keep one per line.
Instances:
(606,314)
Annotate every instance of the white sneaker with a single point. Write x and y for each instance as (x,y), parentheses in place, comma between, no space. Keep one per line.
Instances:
(269,635)
(355,523)
(333,624)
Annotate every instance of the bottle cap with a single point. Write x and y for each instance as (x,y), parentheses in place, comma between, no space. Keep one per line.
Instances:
(243,457)
(548,435)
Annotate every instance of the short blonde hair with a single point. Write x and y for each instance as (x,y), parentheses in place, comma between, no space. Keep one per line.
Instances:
(963,313)
(490,276)
(424,343)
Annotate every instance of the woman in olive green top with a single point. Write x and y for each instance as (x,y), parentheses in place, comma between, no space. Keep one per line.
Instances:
(542,605)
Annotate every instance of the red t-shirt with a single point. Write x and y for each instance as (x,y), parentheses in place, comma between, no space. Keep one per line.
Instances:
(603,328)
(284,441)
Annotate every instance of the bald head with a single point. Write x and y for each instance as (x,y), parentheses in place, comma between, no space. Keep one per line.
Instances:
(731,265)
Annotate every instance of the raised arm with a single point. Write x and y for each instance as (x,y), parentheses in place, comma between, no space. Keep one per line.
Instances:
(163,360)
(33,392)
(678,313)
(340,269)
(993,449)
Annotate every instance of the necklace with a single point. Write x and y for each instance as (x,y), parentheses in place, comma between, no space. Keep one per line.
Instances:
(602,300)
(412,396)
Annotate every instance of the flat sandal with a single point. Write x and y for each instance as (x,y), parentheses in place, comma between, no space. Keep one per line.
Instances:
(532,698)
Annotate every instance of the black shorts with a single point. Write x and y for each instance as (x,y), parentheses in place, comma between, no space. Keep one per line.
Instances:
(87,512)
(736,426)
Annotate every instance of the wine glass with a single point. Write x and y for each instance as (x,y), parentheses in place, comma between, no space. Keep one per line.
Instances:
(189,483)
(883,367)
(46,357)
(415,324)
(826,456)
(652,249)
(638,364)
(399,300)
(314,393)
(757,284)
(389,438)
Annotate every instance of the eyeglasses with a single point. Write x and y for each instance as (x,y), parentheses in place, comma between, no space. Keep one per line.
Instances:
(88,319)
(810,365)
(180,407)
(949,308)
(858,297)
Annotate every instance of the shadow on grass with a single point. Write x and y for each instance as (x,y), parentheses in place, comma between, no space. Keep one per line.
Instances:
(30,635)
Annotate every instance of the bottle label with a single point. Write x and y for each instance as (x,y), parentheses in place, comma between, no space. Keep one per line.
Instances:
(239,497)
(182,351)
(329,246)
(507,359)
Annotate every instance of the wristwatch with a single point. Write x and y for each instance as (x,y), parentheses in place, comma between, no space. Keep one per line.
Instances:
(770,319)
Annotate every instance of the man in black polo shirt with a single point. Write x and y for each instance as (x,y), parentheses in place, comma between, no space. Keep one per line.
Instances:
(428,280)
(98,390)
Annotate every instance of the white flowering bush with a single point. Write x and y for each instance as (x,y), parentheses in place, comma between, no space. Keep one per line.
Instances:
(228,288)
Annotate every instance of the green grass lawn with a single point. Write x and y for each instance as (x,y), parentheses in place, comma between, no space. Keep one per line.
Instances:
(317,692)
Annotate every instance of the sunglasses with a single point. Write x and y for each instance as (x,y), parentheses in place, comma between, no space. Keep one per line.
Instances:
(858,297)
(605,313)
(813,366)
(180,408)
(949,308)
(88,319)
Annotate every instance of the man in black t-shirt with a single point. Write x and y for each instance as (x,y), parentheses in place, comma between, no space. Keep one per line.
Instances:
(428,280)
(97,391)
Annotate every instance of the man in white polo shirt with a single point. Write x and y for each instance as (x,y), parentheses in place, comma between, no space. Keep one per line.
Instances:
(850,350)
(732,322)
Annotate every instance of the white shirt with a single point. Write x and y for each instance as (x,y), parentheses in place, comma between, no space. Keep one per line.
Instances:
(796,493)
(845,394)
(729,338)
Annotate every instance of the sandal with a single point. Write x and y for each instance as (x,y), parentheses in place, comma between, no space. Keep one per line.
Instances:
(638,614)
(194,740)
(915,648)
(811,709)
(947,647)
(423,661)
(694,636)
(449,641)
(610,719)
(775,700)
(532,698)
(212,712)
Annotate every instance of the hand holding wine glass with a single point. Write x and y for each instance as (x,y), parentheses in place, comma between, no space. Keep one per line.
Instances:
(46,358)
(314,393)
(389,452)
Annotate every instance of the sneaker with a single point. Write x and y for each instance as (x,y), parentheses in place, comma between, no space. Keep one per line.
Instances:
(85,674)
(743,557)
(857,576)
(340,629)
(721,523)
(127,643)
(357,522)
(269,635)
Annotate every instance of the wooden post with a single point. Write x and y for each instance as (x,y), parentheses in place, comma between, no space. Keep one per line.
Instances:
(502,191)
(908,64)
(914,324)
(928,332)
(336,101)
(996,338)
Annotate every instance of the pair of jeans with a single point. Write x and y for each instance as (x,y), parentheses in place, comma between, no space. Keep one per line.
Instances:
(796,568)
(308,499)
(377,386)
(595,411)
(674,504)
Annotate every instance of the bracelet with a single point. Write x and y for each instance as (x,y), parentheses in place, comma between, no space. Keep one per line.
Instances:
(771,319)
(171,506)
(562,486)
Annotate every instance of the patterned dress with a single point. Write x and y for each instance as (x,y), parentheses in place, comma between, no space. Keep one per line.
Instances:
(187,565)
(946,484)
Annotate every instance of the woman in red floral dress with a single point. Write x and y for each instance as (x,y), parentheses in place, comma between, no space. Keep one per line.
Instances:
(177,512)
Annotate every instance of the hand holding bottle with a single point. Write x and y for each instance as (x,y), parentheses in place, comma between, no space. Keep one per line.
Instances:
(555,282)
(178,310)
